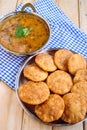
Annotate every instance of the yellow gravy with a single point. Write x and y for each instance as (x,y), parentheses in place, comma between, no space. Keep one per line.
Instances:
(36,38)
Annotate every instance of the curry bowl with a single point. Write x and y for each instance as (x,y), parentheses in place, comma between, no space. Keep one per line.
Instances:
(21,79)
(24,33)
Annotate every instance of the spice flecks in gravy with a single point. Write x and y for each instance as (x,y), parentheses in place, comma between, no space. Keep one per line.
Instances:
(37,37)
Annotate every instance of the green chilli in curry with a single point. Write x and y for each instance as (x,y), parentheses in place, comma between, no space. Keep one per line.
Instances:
(23,33)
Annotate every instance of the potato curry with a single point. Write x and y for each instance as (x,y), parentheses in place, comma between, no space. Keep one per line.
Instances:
(23,33)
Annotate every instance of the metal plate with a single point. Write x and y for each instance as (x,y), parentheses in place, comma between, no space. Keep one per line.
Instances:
(21,79)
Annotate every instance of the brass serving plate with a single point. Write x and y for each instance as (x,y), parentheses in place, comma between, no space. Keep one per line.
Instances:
(29,109)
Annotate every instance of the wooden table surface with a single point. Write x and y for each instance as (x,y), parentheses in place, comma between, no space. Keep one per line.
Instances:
(12,116)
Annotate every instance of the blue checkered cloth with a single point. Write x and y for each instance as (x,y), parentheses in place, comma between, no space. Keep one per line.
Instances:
(64,34)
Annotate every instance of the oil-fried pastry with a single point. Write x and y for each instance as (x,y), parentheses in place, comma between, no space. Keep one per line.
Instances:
(61,58)
(34,73)
(76,62)
(80,75)
(50,110)
(75,108)
(46,62)
(59,82)
(33,92)
(80,88)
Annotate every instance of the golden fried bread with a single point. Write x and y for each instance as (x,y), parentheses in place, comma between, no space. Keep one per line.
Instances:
(59,82)
(34,73)
(80,88)
(75,108)
(61,58)
(80,75)
(59,72)
(76,62)
(50,110)
(33,92)
(46,62)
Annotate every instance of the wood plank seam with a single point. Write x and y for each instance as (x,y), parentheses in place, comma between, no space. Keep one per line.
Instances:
(17,4)
(22,120)
(79,13)
(83,125)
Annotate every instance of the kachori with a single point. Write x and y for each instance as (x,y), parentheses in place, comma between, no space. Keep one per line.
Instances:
(76,62)
(80,88)
(61,59)
(75,108)
(34,73)
(59,82)
(80,75)
(50,110)
(33,92)
(46,62)
(57,96)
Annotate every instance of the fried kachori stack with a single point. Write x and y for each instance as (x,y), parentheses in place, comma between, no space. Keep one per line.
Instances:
(57,86)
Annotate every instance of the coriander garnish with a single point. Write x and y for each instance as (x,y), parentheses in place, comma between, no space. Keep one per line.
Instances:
(22,31)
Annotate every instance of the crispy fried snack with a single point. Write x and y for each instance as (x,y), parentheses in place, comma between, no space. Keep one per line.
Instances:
(50,110)
(81,89)
(80,75)
(59,82)
(33,93)
(46,62)
(34,73)
(75,108)
(61,59)
(76,62)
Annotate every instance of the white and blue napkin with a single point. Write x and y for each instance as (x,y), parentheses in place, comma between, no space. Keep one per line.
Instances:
(64,34)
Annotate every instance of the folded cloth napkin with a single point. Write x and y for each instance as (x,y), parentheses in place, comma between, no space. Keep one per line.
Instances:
(64,34)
